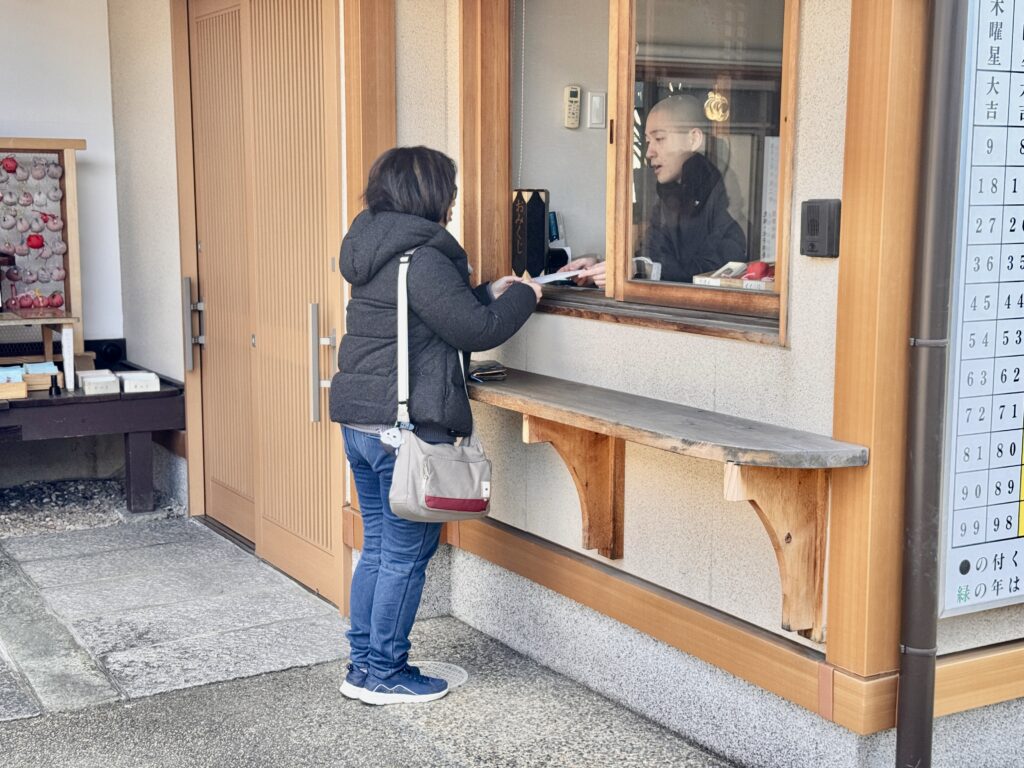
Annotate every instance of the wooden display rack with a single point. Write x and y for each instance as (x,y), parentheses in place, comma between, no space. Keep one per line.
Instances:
(70,315)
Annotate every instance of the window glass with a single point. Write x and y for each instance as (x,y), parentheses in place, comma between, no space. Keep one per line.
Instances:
(559,130)
(705,152)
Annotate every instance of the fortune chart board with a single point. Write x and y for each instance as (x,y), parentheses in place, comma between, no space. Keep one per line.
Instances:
(983,527)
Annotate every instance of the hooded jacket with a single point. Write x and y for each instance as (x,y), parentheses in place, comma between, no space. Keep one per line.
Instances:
(445,315)
(690,230)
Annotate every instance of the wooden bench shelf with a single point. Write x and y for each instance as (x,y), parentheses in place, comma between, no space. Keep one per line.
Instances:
(136,415)
(783,473)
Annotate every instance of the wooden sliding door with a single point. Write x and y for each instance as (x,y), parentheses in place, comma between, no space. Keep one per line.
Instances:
(218,128)
(266,122)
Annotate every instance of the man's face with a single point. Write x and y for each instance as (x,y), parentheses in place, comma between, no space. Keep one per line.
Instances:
(668,146)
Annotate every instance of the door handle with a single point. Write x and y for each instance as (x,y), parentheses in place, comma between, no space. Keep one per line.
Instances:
(315,342)
(187,308)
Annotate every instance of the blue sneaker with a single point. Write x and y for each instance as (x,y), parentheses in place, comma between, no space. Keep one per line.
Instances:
(354,681)
(405,686)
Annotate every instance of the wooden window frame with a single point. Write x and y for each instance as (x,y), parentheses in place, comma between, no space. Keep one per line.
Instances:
(486,171)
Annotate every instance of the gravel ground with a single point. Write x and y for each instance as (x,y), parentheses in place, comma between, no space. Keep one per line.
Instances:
(69,505)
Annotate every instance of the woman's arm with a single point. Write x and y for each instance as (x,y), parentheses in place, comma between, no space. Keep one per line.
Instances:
(439,296)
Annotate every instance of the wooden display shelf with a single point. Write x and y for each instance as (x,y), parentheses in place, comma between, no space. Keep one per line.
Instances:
(18,318)
(71,313)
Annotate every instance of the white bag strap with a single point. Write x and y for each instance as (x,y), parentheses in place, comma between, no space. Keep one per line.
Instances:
(403,337)
(403,341)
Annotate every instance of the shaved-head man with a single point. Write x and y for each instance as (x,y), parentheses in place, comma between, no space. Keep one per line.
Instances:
(689,230)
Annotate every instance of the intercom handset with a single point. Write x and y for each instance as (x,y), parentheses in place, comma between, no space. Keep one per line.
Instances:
(571,105)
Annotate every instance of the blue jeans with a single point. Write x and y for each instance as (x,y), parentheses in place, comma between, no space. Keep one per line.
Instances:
(388,582)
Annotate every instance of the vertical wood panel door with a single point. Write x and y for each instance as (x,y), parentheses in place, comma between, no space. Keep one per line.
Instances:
(296,232)
(266,106)
(218,128)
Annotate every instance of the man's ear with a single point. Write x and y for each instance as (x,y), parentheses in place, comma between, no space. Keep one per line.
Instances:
(696,139)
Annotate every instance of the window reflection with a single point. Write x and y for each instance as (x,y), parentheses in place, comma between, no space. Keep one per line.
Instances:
(705,141)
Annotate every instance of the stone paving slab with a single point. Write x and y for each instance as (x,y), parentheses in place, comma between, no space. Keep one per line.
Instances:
(178,556)
(111,538)
(193,661)
(138,627)
(60,672)
(17,595)
(15,701)
(96,598)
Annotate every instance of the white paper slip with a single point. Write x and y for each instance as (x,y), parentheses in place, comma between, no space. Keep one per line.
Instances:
(557,276)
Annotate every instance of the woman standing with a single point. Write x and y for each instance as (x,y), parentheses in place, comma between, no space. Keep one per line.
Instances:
(409,198)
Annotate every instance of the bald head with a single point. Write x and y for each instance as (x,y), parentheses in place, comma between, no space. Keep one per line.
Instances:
(679,112)
(674,131)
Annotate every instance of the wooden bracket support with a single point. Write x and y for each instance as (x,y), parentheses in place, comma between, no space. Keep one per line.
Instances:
(793,506)
(597,464)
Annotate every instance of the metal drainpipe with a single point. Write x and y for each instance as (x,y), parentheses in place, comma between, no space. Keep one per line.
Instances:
(929,331)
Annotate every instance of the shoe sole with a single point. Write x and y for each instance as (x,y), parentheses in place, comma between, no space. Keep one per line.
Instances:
(377,699)
(350,691)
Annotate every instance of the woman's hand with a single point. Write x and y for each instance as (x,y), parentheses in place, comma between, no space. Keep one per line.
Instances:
(593,274)
(537,289)
(502,284)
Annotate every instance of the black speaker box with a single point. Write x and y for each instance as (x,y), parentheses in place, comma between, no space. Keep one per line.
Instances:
(819,228)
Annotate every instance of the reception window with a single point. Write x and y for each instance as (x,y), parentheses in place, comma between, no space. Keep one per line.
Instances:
(658,134)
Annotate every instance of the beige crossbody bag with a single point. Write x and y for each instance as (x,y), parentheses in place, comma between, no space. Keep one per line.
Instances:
(432,483)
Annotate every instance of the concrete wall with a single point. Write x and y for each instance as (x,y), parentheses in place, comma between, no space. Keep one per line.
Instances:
(65,459)
(147,190)
(57,85)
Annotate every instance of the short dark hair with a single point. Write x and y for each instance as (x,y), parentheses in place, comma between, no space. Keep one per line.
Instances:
(416,180)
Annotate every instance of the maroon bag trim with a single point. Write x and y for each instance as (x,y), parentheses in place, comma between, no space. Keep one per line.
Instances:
(456,505)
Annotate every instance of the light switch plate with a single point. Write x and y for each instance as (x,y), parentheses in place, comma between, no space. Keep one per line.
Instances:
(597,103)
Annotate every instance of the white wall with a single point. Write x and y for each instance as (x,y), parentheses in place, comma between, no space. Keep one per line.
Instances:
(566,44)
(147,189)
(56,84)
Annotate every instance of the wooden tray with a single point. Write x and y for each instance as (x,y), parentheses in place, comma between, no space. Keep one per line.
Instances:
(13,390)
(41,381)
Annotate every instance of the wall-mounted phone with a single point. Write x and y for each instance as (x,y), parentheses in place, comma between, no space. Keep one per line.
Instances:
(571,105)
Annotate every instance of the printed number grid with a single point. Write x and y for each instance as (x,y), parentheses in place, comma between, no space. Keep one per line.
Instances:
(983,556)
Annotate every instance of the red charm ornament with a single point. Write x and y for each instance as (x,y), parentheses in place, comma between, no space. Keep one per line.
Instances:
(35,241)
(9,164)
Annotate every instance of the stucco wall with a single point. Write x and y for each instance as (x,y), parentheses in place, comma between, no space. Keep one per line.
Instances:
(57,85)
(427,61)
(147,190)
(147,203)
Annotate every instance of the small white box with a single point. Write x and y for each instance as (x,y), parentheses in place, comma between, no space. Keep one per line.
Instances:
(100,385)
(139,381)
(82,375)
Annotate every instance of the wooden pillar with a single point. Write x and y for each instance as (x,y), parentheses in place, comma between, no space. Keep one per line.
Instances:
(486,161)
(885,102)
(371,124)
